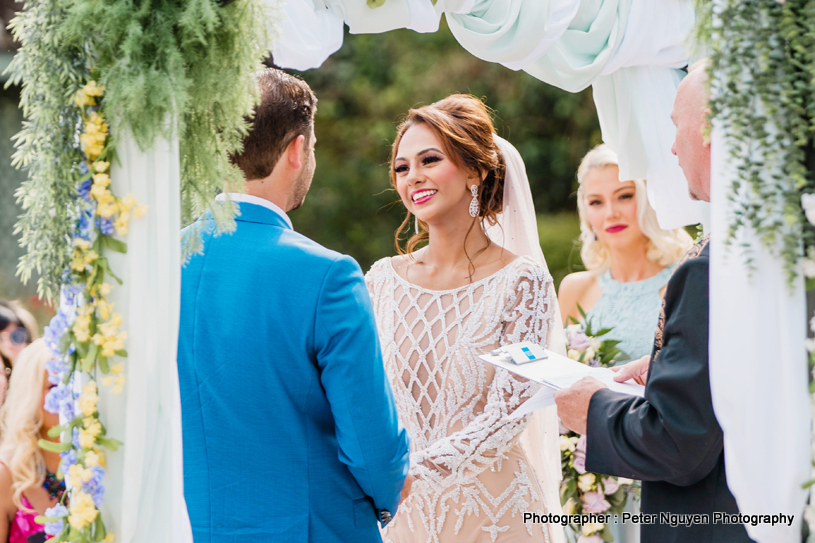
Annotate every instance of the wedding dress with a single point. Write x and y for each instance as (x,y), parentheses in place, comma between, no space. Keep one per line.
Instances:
(474,478)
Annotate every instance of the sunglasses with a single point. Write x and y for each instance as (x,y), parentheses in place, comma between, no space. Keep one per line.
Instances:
(18,336)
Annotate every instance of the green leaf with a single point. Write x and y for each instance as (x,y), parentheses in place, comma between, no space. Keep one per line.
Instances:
(122,353)
(114,244)
(582,313)
(808,484)
(56,430)
(90,358)
(54,447)
(603,332)
(109,443)
(573,320)
(103,263)
(104,365)
(99,531)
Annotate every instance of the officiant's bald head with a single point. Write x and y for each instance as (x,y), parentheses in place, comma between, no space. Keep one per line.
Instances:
(692,145)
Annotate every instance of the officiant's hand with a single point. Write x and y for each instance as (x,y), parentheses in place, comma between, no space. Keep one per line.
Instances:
(573,403)
(406,488)
(636,370)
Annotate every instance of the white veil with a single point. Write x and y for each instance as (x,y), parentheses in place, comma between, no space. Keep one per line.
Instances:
(517,231)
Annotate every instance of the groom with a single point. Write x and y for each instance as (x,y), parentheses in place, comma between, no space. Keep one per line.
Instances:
(670,439)
(290,429)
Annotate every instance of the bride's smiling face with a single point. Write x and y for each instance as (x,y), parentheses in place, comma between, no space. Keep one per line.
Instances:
(431,185)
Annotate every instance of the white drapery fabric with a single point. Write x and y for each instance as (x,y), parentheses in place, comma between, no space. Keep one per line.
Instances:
(758,369)
(144,499)
(629,50)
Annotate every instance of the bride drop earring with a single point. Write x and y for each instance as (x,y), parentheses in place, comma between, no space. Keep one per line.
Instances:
(474,201)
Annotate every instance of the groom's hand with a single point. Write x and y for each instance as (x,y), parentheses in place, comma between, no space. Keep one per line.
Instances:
(406,488)
(636,370)
(573,403)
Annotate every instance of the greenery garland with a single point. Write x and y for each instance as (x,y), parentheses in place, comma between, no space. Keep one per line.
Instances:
(172,68)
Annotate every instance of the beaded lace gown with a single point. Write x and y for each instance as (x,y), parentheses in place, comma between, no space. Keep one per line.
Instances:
(474,480)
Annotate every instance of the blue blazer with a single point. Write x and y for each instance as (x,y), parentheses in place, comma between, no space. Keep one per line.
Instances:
(290,429)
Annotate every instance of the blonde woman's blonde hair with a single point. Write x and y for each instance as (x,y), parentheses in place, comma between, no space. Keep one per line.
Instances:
(21,420)
(664,246)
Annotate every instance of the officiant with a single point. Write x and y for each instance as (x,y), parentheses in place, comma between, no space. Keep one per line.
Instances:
(670,439)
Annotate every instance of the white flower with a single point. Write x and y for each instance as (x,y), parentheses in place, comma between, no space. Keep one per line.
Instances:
(589,355)
(808,203)
(809,343)
(596,344)
(808,266)
(573,329)
(812,324)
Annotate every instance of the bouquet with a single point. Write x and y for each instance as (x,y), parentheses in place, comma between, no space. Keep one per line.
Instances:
(583,493)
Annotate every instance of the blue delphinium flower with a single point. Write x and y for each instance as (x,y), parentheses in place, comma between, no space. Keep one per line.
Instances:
(106,226)
(53,333)
(84,190)
(68,459)
(53,528)
(94,485)
(57,368)
(56,397)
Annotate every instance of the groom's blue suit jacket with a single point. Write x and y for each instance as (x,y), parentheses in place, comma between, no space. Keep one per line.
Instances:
(290,429)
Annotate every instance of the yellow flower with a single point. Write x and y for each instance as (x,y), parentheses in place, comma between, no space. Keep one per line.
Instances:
(574,354)
(91,459)
(103,309)
(101,166)
(568,443)
(109,538)
(585,482)
(106,210)
(101,179)
(92,89)
(82,99)
(82,510)
(87,404)
(86,440)
(140,210)
(104,289)
(113,344)
(128,202)
(120,383)
(569,506)
(121,223)
(81,328)
(82,243)
(90,256)
(90,388)
(77,475)
(77,262)
(92,425)
(591,527)
(107,381)
(118,369)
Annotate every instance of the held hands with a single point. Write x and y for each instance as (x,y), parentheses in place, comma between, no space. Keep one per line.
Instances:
(406,488)
(636,370)
(573,403)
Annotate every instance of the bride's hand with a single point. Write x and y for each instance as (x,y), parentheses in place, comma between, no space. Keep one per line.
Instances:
(637,370)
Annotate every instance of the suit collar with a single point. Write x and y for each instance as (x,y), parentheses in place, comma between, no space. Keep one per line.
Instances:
(257,210)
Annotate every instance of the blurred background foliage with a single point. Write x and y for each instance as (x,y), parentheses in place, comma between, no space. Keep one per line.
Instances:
(367,87)
(364,89)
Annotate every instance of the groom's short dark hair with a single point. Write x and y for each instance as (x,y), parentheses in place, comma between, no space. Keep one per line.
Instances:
(286,110)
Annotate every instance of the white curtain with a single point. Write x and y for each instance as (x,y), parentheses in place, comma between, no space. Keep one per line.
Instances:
(758,369)
(144,499)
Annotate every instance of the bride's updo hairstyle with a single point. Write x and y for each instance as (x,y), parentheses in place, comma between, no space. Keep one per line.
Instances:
(664,246)
(464,125)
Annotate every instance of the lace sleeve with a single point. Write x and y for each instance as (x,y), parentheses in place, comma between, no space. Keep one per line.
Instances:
(484,441)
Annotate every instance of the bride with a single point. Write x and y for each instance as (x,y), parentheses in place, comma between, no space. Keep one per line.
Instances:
(479,283)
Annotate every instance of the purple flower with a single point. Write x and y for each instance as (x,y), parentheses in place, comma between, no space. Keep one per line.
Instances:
(595,502)
(84,190)
(75,438)
(94,485)
(56,368)
(106,226)
(56,397)
(53,333)
(53,528)
(610,485)
(68,459)
(579,341)
(593,363)
(580,456)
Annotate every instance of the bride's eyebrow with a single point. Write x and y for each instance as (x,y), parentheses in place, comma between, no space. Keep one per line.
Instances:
(420,153)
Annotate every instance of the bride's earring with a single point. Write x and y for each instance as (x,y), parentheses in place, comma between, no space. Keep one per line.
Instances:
(474,201)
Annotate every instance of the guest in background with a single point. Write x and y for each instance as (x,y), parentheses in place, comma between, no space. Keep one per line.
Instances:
(28,485)
(628,257)
(18,328)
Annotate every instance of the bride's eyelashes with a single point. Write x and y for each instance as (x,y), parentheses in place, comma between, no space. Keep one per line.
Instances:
(426,161)
(402,168)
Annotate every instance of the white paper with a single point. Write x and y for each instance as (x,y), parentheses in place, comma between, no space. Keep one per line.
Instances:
(557,372)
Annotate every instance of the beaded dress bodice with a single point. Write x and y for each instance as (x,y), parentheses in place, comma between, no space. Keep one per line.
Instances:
(473,480)
(631,309)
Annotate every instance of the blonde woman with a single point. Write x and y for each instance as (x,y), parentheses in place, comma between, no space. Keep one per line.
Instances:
(27,483)
(628,257)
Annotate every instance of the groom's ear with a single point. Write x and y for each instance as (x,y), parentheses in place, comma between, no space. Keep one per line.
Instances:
(295,152)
